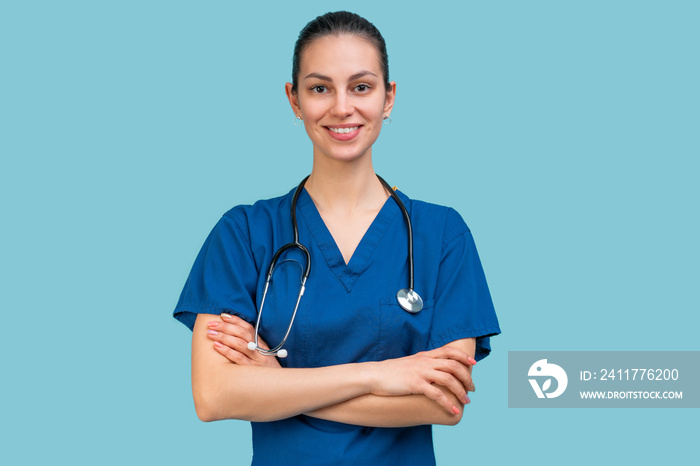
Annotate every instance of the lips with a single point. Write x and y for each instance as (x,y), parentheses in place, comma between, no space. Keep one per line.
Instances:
(343,132)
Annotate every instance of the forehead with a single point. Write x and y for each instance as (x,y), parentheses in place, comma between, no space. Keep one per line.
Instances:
(345,54)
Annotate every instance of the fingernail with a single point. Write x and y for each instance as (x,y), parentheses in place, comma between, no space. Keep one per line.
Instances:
(472,388)
(455,410)
(212,332)
(466,399)
(218,345)
(472,361)
(226,316)
(212,324)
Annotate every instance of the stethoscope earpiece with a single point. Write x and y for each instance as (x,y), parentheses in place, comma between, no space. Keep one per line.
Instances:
(279,353)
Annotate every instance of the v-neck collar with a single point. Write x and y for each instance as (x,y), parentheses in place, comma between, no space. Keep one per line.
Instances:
(347,274)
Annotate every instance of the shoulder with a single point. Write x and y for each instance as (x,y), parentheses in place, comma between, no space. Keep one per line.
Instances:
(261,214)
(435,217)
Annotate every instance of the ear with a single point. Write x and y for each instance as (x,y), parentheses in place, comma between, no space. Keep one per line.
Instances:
(293,99)
(390,96)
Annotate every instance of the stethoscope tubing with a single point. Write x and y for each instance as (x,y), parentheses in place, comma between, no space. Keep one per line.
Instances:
(408,299)
(409,226)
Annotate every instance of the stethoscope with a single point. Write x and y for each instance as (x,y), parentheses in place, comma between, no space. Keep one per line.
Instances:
(407,298)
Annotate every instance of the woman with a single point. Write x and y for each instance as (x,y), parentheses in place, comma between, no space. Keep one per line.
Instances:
(363,379)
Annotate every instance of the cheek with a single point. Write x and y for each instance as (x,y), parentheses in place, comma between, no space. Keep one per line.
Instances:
(311,111)
(378,116)
(379,108)
(310,129)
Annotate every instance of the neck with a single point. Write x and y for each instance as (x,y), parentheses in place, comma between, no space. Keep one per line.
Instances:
(341,185)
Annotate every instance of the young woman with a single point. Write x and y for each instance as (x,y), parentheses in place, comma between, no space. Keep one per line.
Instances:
(364,371)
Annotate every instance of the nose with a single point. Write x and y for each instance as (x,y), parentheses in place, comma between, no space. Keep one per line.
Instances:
(342,106)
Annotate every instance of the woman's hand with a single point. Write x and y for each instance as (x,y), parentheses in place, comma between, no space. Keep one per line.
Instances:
(423,372)
(231,335)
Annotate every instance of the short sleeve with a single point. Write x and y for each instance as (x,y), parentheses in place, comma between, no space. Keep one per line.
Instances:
(223,277)
(463,306)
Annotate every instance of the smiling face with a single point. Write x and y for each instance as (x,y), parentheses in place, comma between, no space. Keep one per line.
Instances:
(341,96)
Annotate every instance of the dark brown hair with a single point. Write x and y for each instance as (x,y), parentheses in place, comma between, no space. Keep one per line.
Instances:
(339,23)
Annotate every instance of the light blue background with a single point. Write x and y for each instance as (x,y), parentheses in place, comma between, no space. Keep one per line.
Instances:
(566,133)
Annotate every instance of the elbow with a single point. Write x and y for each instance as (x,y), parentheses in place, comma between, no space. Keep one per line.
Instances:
(209,403)
(204,414)
(209,406)
(211,400)
(204,406)
(455,418)
(209,413)
(451,419)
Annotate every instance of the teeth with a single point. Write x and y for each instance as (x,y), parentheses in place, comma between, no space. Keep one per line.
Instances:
(344,130)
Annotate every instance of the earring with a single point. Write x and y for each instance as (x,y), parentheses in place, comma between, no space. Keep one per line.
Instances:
(387,120)
(297,120)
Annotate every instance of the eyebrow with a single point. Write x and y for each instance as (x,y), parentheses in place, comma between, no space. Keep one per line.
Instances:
(352,78)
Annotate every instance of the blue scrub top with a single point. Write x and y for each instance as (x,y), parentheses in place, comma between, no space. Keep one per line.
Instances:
(348,313)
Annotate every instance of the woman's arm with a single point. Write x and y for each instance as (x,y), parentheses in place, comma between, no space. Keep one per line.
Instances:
(223,390)
(256,388)
(399,411)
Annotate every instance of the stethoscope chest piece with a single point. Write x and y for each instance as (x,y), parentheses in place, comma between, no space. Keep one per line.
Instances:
(409,301)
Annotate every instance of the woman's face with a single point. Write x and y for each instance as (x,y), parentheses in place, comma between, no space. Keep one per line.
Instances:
(341,96)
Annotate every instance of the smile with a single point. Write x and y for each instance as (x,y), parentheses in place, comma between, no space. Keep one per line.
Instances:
(344,133)
(344,130)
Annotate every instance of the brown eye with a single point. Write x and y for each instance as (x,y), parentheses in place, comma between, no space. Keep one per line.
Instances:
(362,88)
(319,89)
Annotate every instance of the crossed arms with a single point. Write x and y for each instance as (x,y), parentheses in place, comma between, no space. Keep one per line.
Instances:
(231,382)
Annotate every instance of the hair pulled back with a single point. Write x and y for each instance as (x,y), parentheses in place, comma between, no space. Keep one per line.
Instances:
(339,23)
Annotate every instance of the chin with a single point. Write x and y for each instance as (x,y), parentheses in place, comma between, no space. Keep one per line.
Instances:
(347,155)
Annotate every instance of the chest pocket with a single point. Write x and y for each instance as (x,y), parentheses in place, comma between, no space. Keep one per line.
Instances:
(338,332)
(402,333)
